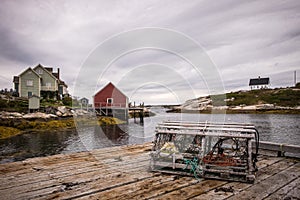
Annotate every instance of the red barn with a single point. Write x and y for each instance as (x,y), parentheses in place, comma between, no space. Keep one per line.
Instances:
(110,100)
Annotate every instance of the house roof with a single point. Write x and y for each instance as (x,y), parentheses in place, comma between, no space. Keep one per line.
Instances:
(259,81)
(84,99)
(110,83)
(39,65)
(29,68)
(55,74)
(49,69)
(60,82)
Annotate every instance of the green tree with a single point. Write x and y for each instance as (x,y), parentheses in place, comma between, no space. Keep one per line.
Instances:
(67,101)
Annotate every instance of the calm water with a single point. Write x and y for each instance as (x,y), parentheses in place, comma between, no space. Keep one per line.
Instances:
(272,127)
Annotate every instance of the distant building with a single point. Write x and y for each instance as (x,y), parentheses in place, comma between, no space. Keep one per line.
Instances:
(84,101)
(112,102)
(259,83)
(40,81)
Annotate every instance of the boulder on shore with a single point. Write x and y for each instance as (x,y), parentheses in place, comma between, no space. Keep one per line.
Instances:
(38,115)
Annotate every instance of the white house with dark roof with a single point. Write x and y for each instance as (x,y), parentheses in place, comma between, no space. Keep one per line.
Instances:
(259,83)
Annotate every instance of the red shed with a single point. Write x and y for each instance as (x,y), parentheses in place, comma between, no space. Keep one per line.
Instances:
(110,97)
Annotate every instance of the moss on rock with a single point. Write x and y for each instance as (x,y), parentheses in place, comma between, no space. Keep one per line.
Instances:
(6,132)
(109,121)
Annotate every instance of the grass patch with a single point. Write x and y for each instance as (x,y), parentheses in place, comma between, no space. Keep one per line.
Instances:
(286,97)
(109,121)
(12,127)
(46,125)
(6,132)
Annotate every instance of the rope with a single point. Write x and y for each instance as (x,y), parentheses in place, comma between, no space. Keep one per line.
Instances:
(194,166)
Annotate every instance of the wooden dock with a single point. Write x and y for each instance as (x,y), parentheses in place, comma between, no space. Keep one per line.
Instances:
(122,173)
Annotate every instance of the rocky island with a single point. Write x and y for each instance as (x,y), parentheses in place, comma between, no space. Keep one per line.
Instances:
(280,100)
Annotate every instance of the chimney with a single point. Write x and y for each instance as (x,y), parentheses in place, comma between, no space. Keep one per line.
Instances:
(258,77)
(58,72)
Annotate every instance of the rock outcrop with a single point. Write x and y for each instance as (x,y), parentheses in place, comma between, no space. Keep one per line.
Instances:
(51,112)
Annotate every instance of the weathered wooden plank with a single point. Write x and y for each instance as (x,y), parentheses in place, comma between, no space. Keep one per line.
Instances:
(62,167)
(158,189)
(81,163)
(294,193)
(147,188)
(74,184)
(264,161)
(193,190)
(31,168)
(98,186)
(126,177)
(287,192)
(133,189)
(57,159)
(81,178)
(268,166)
(264,188)
(100,168)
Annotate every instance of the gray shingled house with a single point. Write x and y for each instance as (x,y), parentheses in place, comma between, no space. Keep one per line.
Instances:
(40,81)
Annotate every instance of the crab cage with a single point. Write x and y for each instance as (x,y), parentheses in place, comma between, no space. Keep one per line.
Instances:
(208,150)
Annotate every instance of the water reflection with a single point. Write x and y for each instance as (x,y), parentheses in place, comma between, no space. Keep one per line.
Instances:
(33,144)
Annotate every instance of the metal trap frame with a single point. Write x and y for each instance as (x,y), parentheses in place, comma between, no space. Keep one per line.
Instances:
(206,149)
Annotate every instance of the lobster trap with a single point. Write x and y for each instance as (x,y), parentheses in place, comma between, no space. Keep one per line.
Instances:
(208,150)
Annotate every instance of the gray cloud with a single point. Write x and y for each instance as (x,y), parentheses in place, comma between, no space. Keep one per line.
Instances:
(244,39)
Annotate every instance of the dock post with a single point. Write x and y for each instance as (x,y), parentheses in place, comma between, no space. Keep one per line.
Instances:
(141,115)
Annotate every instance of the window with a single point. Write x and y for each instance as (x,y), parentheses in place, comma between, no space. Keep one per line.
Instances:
(29,83)
(29,94)
(48,85)
(40,71)
(110,100)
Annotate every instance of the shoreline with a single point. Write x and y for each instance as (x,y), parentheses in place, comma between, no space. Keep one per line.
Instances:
(10,127)
(229,111)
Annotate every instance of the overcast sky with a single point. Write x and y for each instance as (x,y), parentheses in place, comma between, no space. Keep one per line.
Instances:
(244,39)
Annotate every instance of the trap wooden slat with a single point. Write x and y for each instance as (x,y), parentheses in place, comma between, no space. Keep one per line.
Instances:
(205,129)
(213,133)
(193,123)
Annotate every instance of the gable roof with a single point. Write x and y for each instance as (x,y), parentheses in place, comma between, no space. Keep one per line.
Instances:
(60,82)
(49,69)
(55,74)
(29,69)
(259,81)
(39,65)
(110,83)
